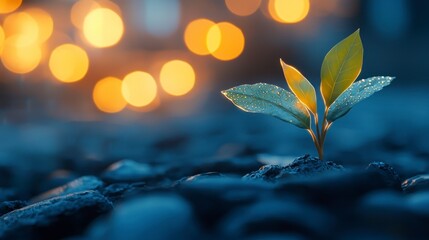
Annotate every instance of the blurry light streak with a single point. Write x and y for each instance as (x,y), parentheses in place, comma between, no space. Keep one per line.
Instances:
(103,27)
(107,95)
(139,89)
(177,77)
(68,63)
(243,7)
(225,41)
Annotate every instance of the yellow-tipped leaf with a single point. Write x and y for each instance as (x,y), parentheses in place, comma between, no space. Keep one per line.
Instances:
(341,67)
(300,86)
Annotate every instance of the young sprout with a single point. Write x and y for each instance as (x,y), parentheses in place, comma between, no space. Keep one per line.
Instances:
(340,68)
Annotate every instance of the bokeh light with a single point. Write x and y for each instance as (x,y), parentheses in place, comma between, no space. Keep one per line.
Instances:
(225,41)
(288,11)
(23,26)
(103,27)
(243,7)
(19,58)
(177,77)
(68,63)
(8,6)
(2,38)
(44,22)
(139,89)
(80,9)
(196,35)
(107,95)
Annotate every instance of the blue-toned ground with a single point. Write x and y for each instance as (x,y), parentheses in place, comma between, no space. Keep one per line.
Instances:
(197,177)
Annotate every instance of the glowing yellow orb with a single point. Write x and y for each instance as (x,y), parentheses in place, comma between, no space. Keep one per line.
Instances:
(2,38)
(68,63)
(177,77)
(20,58)
(288,11)
(44,22)
(23,26)
(243,7)
(139,89)
(103,27)
(8,6)
(225,41)
(196,34)
(107,95)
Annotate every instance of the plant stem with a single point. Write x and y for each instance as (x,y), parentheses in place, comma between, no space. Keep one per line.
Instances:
(316,122)
(316,143)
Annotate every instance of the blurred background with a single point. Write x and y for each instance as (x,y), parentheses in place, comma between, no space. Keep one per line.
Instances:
(100,79)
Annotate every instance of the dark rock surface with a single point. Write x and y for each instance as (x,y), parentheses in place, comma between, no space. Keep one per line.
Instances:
(54,218)
(302,166)
(9,206)
(130,171)
(416,183)
(78,185)
(389,174)
(162,216)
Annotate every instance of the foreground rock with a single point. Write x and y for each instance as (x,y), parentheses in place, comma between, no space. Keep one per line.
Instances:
(54,218)
(278,216)
(302,166)
(416,183)
(161,216)
(84,183)
(130,171)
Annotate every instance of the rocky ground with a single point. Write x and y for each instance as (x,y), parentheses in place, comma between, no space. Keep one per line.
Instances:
(220,174)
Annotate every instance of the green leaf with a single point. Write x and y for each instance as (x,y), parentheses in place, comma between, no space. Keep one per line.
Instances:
(269,99)
(359,91)
(300,86)
(341,67)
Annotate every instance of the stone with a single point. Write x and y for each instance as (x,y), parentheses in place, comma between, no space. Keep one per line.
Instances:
(389,174)
(302,166)
(130,171)
(277,216)
(159,216)
(118,191)
(78,185)
(54,218)
(9,206)
(416,183)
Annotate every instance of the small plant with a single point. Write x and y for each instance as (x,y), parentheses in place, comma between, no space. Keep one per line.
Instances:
(338,88)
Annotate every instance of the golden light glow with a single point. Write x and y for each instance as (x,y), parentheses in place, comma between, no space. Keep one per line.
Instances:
(196,34)
(177,77)
(103,27)
(225,41)
(44,22)
(2,38)
(139,89)
(107,95)
(23,26)
(8,6)
(80,9)
(243,7)
(20,58)
(68,63)
(288,11)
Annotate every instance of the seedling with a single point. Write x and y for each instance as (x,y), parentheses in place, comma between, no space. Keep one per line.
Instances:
(340,68)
